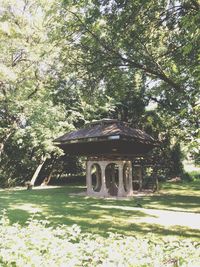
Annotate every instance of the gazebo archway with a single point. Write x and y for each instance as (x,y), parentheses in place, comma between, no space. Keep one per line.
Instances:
(112,178)
(96,177)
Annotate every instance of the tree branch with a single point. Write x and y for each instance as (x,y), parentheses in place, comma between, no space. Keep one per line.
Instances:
(161,75)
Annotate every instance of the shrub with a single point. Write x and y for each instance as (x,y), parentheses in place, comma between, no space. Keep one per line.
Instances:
(38,244)
(195,175)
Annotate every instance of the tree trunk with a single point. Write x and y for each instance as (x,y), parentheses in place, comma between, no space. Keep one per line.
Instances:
(35,175)
(60,174)
(49,176)
(47,179)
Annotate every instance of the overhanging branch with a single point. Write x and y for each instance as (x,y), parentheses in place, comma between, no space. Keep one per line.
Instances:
(131,63)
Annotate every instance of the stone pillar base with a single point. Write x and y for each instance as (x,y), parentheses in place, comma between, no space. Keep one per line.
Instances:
(120,190)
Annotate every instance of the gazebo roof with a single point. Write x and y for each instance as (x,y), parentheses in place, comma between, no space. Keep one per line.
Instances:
(106,137)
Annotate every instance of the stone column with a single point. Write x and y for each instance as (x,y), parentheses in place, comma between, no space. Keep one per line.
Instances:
(121,191)
(89,177)
(103,191)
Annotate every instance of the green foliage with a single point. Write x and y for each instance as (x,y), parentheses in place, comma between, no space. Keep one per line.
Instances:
(38,244)
(133,52)
(176,156)
(194,175)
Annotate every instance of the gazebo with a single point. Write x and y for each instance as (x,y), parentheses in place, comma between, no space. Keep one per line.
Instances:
(112,149)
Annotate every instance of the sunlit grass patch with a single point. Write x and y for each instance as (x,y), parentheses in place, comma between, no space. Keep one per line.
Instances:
(181,188)
(164,213)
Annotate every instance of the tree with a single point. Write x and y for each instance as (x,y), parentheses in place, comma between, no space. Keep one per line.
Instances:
(65,63)
(137,52)
(37,101)
(29,120)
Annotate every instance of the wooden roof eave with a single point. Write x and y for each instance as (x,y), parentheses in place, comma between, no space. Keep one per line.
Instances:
(103,139)
(138,140)
(89,139)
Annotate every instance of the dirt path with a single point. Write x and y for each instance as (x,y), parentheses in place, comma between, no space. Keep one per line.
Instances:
(162,217)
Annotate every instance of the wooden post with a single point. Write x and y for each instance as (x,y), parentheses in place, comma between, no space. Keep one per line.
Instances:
(140,177)
(130,179)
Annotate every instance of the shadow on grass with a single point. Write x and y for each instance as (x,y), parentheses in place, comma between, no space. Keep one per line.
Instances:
(59,207)
(170,202)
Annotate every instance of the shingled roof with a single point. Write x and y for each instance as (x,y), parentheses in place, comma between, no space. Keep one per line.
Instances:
(106,137)
(106,128)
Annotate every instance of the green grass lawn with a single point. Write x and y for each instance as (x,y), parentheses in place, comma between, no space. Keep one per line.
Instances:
(139,215)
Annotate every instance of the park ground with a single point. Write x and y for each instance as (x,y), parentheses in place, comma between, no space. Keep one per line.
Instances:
(173,211)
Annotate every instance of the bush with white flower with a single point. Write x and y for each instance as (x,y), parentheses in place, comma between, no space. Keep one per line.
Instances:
(38,244)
